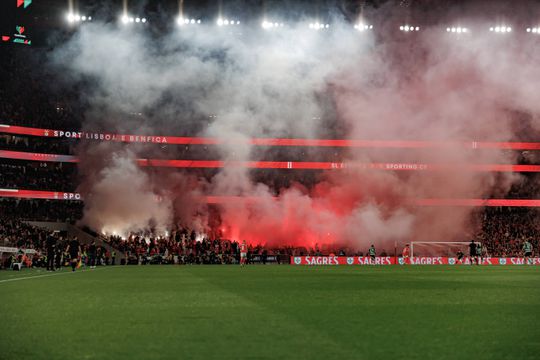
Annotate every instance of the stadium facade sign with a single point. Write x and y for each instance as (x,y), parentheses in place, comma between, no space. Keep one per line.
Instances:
(417,260)
(106,136)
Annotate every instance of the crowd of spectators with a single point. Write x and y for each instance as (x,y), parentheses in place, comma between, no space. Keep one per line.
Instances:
(504,230)
(33,96)
(185,246)
(42,209)
(37,144)
(35,175)
(31,242)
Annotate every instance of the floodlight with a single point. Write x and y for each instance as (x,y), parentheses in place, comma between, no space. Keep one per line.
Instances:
(193,21)
(226,22)
(220,22)
(137,20)
(77,18)
(83,18)
(125,19)
(70,18)
(89,18)
(131,19)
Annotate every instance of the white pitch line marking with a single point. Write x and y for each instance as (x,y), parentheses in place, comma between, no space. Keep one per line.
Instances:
(45,275)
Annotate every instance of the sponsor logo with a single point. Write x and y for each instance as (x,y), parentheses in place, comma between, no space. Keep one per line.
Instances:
(297,260)
(427,260)
(451,261)
(401,261)
(71,196)
(20,29)
(350,260)
(322,260)
(502,261)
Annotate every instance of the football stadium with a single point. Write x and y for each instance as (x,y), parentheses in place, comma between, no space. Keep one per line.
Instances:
(266,179)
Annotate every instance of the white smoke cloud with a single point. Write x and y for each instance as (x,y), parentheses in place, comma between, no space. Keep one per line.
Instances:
(286,84)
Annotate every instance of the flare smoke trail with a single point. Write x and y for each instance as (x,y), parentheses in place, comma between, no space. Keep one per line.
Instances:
(299,83)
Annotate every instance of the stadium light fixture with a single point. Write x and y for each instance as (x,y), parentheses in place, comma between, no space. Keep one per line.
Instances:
(319,26)
(73,18)
(501,29)
(125,19)
(267,25)
(535,30)
(227,22)
(409,28)
(181,21)
(457,29)
(363,27)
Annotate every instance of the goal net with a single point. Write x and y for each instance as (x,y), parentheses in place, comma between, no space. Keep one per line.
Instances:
(441,248)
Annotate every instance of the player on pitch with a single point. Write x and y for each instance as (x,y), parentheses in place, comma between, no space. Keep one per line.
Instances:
(527,251)
(406,254)
(243,253)
(372,253)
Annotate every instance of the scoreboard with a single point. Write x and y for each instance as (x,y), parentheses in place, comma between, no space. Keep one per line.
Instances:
(16,22)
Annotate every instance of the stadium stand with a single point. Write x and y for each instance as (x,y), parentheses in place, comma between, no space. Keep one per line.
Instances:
(26,102)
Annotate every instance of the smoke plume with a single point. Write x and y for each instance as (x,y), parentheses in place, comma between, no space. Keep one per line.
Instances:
(238,84)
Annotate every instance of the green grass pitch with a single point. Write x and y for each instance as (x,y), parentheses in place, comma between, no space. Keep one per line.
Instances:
(272,312)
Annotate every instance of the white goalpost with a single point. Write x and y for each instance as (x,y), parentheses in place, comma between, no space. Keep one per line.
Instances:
(440,248)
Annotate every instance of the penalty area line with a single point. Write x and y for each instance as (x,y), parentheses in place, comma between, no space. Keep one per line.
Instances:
(46,275)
